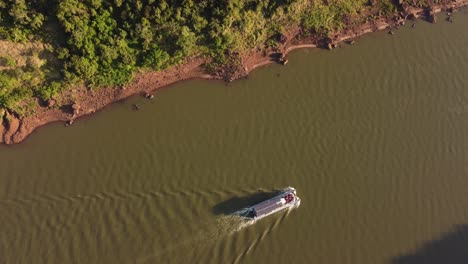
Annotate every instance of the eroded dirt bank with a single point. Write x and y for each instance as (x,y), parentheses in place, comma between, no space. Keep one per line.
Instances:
(81,101)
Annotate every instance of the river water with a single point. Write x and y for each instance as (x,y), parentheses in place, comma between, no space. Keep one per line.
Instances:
(373,136)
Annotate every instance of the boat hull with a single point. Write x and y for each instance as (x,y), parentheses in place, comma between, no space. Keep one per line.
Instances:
(285,200)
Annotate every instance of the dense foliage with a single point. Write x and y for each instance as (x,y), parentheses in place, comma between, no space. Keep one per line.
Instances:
(103,42)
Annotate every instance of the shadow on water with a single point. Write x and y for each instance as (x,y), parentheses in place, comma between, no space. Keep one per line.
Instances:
(237,203)
(450,248)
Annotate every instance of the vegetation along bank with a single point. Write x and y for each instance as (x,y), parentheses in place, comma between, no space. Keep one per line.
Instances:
(61,59)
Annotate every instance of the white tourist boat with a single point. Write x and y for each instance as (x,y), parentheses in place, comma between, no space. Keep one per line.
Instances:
(286,199)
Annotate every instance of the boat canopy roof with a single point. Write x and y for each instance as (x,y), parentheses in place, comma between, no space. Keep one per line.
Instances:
(271,204)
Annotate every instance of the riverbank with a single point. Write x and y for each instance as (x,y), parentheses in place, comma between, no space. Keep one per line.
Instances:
(82,101)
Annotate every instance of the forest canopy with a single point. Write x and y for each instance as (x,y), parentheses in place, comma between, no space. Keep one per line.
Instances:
(103,42)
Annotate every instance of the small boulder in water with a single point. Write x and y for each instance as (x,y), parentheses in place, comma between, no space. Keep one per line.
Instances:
(69,122)
(149,95)
(283,60)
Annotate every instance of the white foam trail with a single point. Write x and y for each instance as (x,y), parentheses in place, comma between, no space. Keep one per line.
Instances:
(209,233)
(264,234)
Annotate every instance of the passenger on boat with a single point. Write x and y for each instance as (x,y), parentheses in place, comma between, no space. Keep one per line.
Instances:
(289,198)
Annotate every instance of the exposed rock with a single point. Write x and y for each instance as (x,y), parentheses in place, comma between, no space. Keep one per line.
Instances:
(51,103)
(436,9)
(149,95)
(382,26)
(431,15)
(412,12)
(76,109)
(282,58)
(12,125)
(69,122)
(351,42)
(329,46)
(391,32)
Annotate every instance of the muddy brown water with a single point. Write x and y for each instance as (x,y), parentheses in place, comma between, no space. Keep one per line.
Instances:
(373,136)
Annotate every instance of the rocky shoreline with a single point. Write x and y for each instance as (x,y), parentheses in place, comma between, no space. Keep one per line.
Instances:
(82,101)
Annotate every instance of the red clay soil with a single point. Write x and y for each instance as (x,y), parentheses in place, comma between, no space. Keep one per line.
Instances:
(82,101)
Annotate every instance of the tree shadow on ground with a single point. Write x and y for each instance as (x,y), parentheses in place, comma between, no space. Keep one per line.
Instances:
(451,248)
(237,203)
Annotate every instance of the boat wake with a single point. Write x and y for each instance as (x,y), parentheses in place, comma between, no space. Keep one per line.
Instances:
(263,235)
(198,241)
(231,224)
(208,235)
